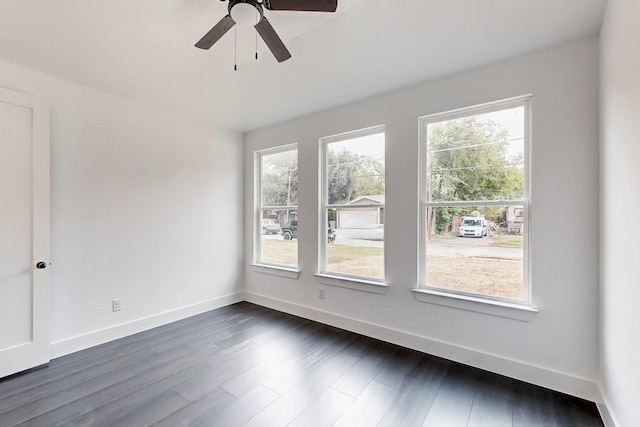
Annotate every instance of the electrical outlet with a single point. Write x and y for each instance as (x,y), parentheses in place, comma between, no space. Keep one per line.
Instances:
(117,305)
(321,293)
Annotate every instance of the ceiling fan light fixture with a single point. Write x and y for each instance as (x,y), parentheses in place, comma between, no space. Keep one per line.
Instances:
(245,13)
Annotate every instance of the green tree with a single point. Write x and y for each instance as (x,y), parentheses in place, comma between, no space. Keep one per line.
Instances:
(468,160)
(342,174)
(351,175)
(280,179)
(371,176)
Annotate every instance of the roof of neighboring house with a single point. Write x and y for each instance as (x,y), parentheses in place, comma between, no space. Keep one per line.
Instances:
(370,199)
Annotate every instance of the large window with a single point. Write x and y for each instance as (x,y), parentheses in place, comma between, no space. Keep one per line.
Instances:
(352,209)
(277,207)
(474,210)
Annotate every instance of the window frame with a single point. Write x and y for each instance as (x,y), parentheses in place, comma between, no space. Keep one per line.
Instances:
(468,300)
(285,270)
(365,283)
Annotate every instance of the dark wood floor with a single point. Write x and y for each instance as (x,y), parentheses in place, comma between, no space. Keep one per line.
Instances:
(248,365)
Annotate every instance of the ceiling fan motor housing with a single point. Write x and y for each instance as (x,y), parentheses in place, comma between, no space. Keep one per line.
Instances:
(254,3)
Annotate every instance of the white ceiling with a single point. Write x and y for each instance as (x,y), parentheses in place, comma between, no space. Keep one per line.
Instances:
(143,49)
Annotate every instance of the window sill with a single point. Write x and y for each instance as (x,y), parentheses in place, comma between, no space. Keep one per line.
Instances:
(353,283)
(478,305)
(291,273)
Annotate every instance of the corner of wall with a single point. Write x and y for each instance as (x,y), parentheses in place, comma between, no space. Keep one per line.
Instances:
(608,417)
(94,338)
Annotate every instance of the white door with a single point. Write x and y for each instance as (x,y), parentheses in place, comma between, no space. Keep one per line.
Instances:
(24,232)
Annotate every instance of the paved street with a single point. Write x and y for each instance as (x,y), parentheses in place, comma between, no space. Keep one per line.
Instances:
(456,247)
(465,247)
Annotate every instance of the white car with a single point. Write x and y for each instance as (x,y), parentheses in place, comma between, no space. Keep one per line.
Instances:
(270,226)
(473,226)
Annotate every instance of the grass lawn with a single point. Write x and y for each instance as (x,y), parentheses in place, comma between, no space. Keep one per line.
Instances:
(489,276)
(508,240)
(357,261)
(283,252)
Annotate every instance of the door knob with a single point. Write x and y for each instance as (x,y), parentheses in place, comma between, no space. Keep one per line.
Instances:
(41,265)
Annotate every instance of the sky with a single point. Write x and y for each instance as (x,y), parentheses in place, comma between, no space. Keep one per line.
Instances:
(369,145)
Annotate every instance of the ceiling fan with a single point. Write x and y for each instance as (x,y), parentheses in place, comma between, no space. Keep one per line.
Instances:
(263,27)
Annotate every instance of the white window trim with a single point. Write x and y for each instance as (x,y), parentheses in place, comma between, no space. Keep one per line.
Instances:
(498,306)
(331,278)
(276,270)
(352,282)
(258,265)
(471,302)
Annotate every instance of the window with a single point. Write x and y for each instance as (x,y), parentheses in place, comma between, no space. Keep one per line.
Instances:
(474,206)
(277,207)
(352,208)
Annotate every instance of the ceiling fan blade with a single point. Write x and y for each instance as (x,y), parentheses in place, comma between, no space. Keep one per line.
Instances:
(302,5)
(272,40)
(214,34)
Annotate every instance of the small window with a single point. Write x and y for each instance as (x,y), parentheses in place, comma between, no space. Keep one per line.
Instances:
(277,207)
(352,209)
(474,201)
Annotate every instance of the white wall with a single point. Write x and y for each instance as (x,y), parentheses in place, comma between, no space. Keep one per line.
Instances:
(559,348)
(620,184)
(145,206)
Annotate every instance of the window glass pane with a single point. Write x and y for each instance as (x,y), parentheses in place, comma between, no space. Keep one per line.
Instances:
(479,157)
(355,170)
(476,249)
(355,180)
(278,212)
(279,238)
(279,179)
(355,250)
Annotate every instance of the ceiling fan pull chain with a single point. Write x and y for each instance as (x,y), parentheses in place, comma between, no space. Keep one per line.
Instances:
(235,49)
(257,20)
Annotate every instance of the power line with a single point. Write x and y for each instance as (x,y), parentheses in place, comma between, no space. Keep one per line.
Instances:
(430,171)
(475,145)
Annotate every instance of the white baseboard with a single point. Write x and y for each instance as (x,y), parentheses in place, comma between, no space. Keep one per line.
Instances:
(543,377)
(101,336)
(606,413)
(554,380)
